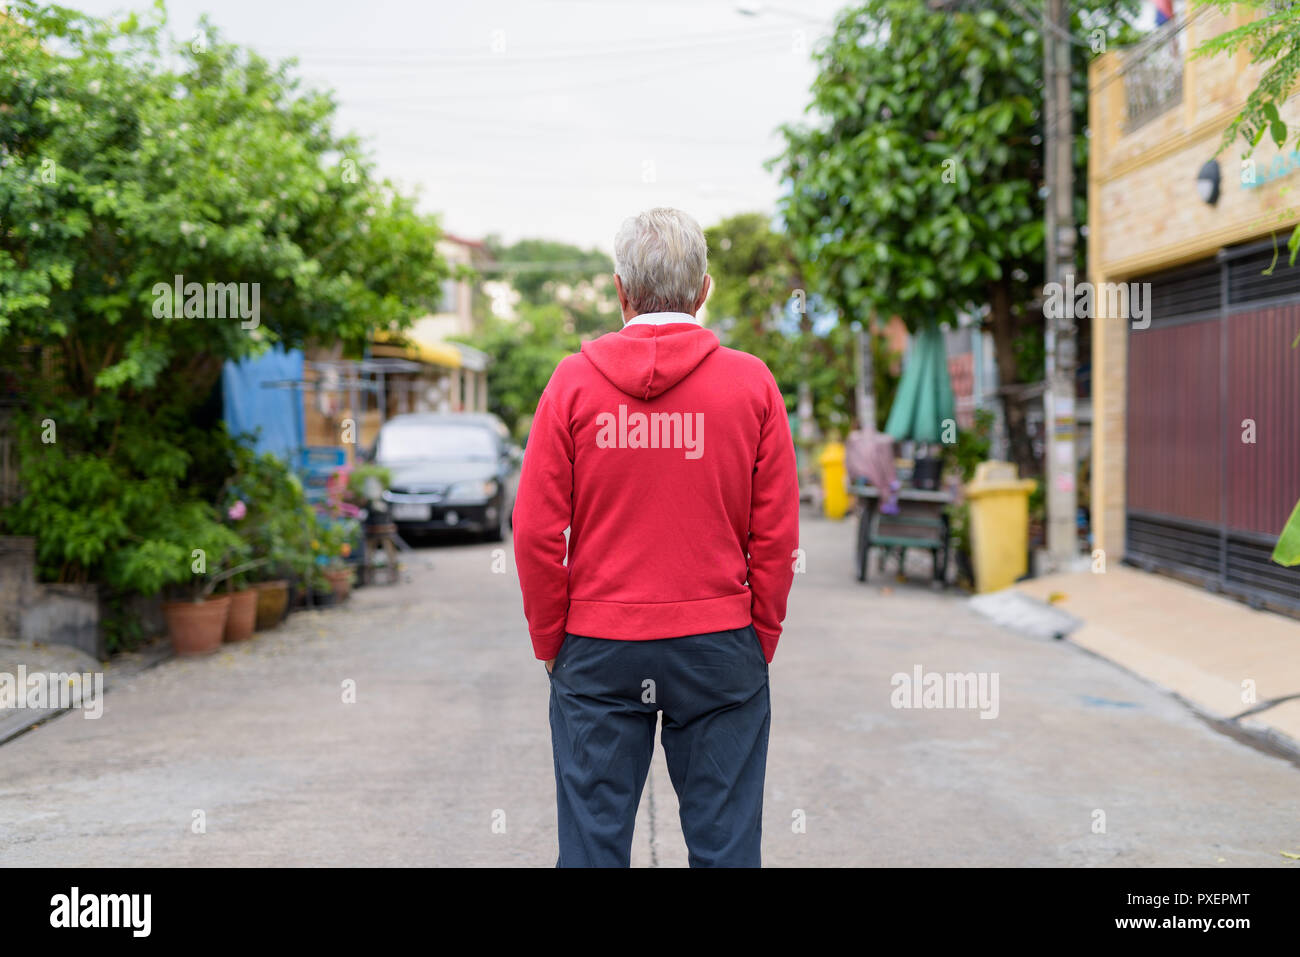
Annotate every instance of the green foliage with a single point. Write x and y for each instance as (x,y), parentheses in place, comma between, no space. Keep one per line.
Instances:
(90,496)
(1038,503)
(360,476)
(914,190)
(918,188)
(126,160)
(564,300)
(959,535)
(538,269)
(114,509)
(525,351)
(566,296)
(755,274)
(277,521)
(972,446)
(1272,38)
(128,163)
(1287,550)
(186,547)
(970,449)
(265,503)
(333,540)
(754,306)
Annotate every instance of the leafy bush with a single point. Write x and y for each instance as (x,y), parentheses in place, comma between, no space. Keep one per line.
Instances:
(128,160)
(971,448)
(188,554)
(360,480)
(264,502)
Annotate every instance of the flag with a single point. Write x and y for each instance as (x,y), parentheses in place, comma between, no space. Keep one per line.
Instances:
(1164,11)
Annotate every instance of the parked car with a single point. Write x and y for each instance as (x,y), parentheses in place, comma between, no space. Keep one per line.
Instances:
(450,472)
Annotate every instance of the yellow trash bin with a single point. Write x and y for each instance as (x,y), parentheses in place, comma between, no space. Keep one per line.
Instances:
(999,524)
(835,497)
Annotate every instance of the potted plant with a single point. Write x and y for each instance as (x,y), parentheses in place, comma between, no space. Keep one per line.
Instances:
(187,562)
(241,621)
(266,506)
(333,546)
(365,488)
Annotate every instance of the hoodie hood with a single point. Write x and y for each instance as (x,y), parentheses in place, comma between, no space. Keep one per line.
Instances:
(647,360)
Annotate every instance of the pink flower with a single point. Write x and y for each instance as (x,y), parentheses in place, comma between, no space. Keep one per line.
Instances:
(237,511)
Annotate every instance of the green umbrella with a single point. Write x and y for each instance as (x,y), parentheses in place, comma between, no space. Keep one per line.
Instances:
(924,398)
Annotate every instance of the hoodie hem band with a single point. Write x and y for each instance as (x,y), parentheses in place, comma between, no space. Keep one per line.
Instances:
(653,620)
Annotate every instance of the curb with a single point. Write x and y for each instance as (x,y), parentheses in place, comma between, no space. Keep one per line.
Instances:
(1060,625)
(25,720)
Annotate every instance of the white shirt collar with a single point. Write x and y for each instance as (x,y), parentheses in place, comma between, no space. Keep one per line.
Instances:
(661,319)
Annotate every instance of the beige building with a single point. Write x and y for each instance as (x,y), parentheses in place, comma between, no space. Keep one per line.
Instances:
(454,377)
(1196,413)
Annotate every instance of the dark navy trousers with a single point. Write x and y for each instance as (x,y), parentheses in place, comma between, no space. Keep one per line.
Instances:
(605,697)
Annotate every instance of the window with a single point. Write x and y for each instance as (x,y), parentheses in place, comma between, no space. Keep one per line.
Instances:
(450,296)
(416,442)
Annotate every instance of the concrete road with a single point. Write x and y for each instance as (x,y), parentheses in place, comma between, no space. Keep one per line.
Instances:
(253,756)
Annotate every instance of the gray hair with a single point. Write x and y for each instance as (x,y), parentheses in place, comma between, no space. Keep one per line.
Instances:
(661,256)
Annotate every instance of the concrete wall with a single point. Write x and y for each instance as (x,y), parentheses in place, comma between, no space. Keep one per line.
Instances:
(64,615)
(53,614)
(17,582)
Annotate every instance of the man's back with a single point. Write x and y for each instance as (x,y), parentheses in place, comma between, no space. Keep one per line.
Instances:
(669,461)
(679,450)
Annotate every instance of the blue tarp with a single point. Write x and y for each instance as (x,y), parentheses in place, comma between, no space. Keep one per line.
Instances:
(273,414)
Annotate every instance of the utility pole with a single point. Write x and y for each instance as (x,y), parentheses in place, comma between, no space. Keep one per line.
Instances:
(1061,333)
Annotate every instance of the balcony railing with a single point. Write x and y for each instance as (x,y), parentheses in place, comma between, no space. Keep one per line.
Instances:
(1153,74)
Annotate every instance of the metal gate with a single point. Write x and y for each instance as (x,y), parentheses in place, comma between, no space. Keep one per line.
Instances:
(1214,425)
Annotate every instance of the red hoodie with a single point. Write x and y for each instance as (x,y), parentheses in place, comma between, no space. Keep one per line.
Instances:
(670,461)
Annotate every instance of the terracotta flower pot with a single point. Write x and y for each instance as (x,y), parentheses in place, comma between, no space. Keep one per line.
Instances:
(196,627)
(243,615)
(272,600)
(340,580)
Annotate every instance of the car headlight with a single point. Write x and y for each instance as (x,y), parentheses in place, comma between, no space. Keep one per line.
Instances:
(478,490)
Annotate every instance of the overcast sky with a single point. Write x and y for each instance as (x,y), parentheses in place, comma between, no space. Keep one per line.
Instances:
(548,118)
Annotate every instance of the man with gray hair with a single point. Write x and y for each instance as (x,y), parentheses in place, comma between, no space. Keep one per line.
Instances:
(668,459)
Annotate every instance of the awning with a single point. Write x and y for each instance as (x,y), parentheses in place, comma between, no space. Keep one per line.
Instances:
(924,398)
(411,345)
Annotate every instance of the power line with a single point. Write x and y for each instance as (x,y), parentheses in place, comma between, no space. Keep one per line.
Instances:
(449,58)
(656,71)
(1042,21)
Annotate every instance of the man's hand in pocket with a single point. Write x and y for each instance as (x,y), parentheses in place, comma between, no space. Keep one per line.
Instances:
(549,665)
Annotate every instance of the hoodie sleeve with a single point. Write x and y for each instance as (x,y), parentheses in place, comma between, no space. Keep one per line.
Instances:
(543,509)
(773,523)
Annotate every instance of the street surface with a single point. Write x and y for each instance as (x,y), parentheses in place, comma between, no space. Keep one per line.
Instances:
(253,757)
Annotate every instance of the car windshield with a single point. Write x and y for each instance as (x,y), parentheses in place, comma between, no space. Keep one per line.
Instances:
(411,442)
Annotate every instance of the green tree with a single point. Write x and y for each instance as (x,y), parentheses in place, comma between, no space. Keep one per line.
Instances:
(126,161)
(546,272)
(525,351)
(566,295)
(915,191)
(756,275)
(761,303)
